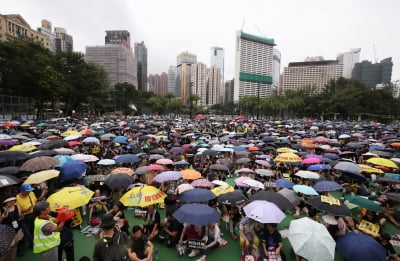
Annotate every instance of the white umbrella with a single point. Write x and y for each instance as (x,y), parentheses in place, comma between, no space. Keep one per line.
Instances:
(73,137)
(219,183)
(85,157)
(307,174)
(254,183)
(91,140)
(264,212)
(311,240)
(64,151)
(106,162)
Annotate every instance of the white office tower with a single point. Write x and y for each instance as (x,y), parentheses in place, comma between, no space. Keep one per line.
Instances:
(215,91)
(253,66)
(198,83)
(172,80)
(348,59)
(276,70)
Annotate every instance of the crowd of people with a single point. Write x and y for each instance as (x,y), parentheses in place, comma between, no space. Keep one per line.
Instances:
(270,154)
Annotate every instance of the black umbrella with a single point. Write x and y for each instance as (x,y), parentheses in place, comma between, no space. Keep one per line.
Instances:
(6,180)
(7,156)
(12,170)
(40,153)
(157,151)
(336,210)
(119,181)
(387,180)
(279,200)
(234,198)
(209,153)
(393,196)
(53,144)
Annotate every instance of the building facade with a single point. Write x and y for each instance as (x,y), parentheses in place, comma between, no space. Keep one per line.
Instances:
(276,70)
(229,91)
(218,59)
(253,66)
(141,58)
(64,41)
(215,91)
(314,73)
(372,74)
(172,80)
(13,25)
(47,30)
(158,83)
(119,37)
(198,82)
(348,59)
(184,60)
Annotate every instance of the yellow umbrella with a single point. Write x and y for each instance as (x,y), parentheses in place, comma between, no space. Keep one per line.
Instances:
(283,150)
(69,133)
(190,174)
(287,157)
(73,197)
(143,196)
(218,191)
(41,176)
(23,147)
(369,169)
(382,162)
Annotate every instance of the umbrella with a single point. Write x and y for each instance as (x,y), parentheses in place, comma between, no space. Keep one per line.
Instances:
(311,160)
(12,170)
(96,177)
(325,186)
(287,157)
(6,180)
(204,183)
(120,139)
(141,170)
(219,183)
(7,234)
(64,151)
(167,176)
(154,167)
(239,181)
(39,163)
(91,140)
(62,159)
(305,190)
(263,163)
(382,162)
(181,162)
(5,137)
(245,170)
(127,158)
(219,167)
(234,198)
(220,190)
(210,153)
(8,142)
(190,174)
(196,195)
(73,197)
(264,172)
(307,174)
(164,161)
(264,212)
(156,151)
(334,209)
(393,196)
(317,167)
(40,153)
(156,157)
(184,187)
(73,143)
(177,150)
(127,171)
(356,246)
(243,160)
(53,144)
(368,169)
(197,214)
(311,240)
(355,176)
(106,162)
(108,136)
(284,183)
(290,195)
(23,147)
(143,196)
(281,201)
(41,176)
(72,169)
(69,133)
(73,137)
(85,157)
(253,183)
(364,203)
(348,167)
(119,181)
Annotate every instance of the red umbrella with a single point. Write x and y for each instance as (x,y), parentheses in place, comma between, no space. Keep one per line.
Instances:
(199,116)
(8,124)
(73,143)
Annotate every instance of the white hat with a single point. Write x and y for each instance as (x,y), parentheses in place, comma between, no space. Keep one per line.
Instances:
(329,219)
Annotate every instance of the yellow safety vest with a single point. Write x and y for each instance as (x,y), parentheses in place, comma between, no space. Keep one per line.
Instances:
(42,242)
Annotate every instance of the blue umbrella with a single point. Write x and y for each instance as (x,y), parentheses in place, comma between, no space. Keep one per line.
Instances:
(197,214)
(317,167)
(355,176)
(120,139)
(62,160)
(72,169)
(331,156)
(176,150)
(196,195)
(239,148)
(283,183)
(305,190)
(324,186)
(355,246)
(127,158)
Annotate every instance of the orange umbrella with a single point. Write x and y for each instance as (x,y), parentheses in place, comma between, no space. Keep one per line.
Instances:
(254,148)
(395,144)
(54,137)
(190,174)
(86,132)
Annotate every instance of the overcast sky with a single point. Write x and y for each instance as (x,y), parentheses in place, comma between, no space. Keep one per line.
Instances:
(300,28)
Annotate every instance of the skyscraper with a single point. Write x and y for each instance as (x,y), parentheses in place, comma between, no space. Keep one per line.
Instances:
(141,58)
(253,66)
(184,62)
(64,41)
(372,74)
(199,82)
(120,37)
(215,91)
(158,83)
(276,70)
(218,58)
(47,30)
(228,91)
(172,80)
(348,59)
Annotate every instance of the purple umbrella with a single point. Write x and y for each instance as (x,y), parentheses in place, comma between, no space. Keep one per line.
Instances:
(324,186)
(8,142)
(167,176)
(263,163)
(219,167)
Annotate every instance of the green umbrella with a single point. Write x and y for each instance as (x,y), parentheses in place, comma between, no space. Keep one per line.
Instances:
(364,203)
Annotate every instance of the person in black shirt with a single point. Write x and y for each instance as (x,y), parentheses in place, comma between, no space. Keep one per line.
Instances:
(272,241)
(170,231)
(152,228)
(384,239)
(140,247)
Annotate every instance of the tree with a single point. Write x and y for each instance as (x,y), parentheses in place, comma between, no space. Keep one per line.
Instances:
(192,101)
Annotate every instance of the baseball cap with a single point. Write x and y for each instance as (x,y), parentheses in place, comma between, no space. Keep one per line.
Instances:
(27,188)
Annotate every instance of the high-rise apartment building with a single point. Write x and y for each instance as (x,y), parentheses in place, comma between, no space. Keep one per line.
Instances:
(158,83)
(276,70)
(13,25)
(172,80)
(348,59)
(313,73)
(198,83)
(64,41)
(218,58)
(372,74)
(141,58)
(184,62)
(47,30)
(229,91)
(215,91)
(253,66)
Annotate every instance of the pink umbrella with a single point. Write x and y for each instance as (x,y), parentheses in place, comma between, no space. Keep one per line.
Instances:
(245,170)
(164,161)
(152,167)
(186,146)
(263,163)
(239,181)
(311,160)
(204,183)
(73,143)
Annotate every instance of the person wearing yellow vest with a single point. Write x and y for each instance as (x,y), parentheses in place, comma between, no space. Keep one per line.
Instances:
(46,234)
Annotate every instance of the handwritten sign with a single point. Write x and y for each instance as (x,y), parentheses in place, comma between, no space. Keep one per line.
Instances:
(330,200)
(140,212)
(369,228)
(196,244)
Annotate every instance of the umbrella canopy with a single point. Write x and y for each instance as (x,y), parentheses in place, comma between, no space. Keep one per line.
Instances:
(306,174)
(264,172)
(154,167)
(73,197)
(243,160)
(287,157)
(143,196)
(290,195)
(219,183)
(305,190)
(355,246)
(264,212)
(263,163)
(141,170)
(311,240)
(234,198)
(196,195)
(197,214)
(119,181)
(190,174)
(40,153)
(184,187)
(53,144)
(339,209)
(39,163)
(325,186)
(245,170)
(85,157)
(204,183)
(106,162)
(311,160)
(281,201)
(164,161)
(217,191)
(284,183)
(12,170)
(91,140)
(219,167)
(127,171)
(62,159)
(64,151)
(318,167)
(73,169)
(369,169)
(239,181)
(382,162)
(127,158)
(348,167)
(167,176)
(41,176)
(23,147)
(364,203)
(73,137)
(6,180)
